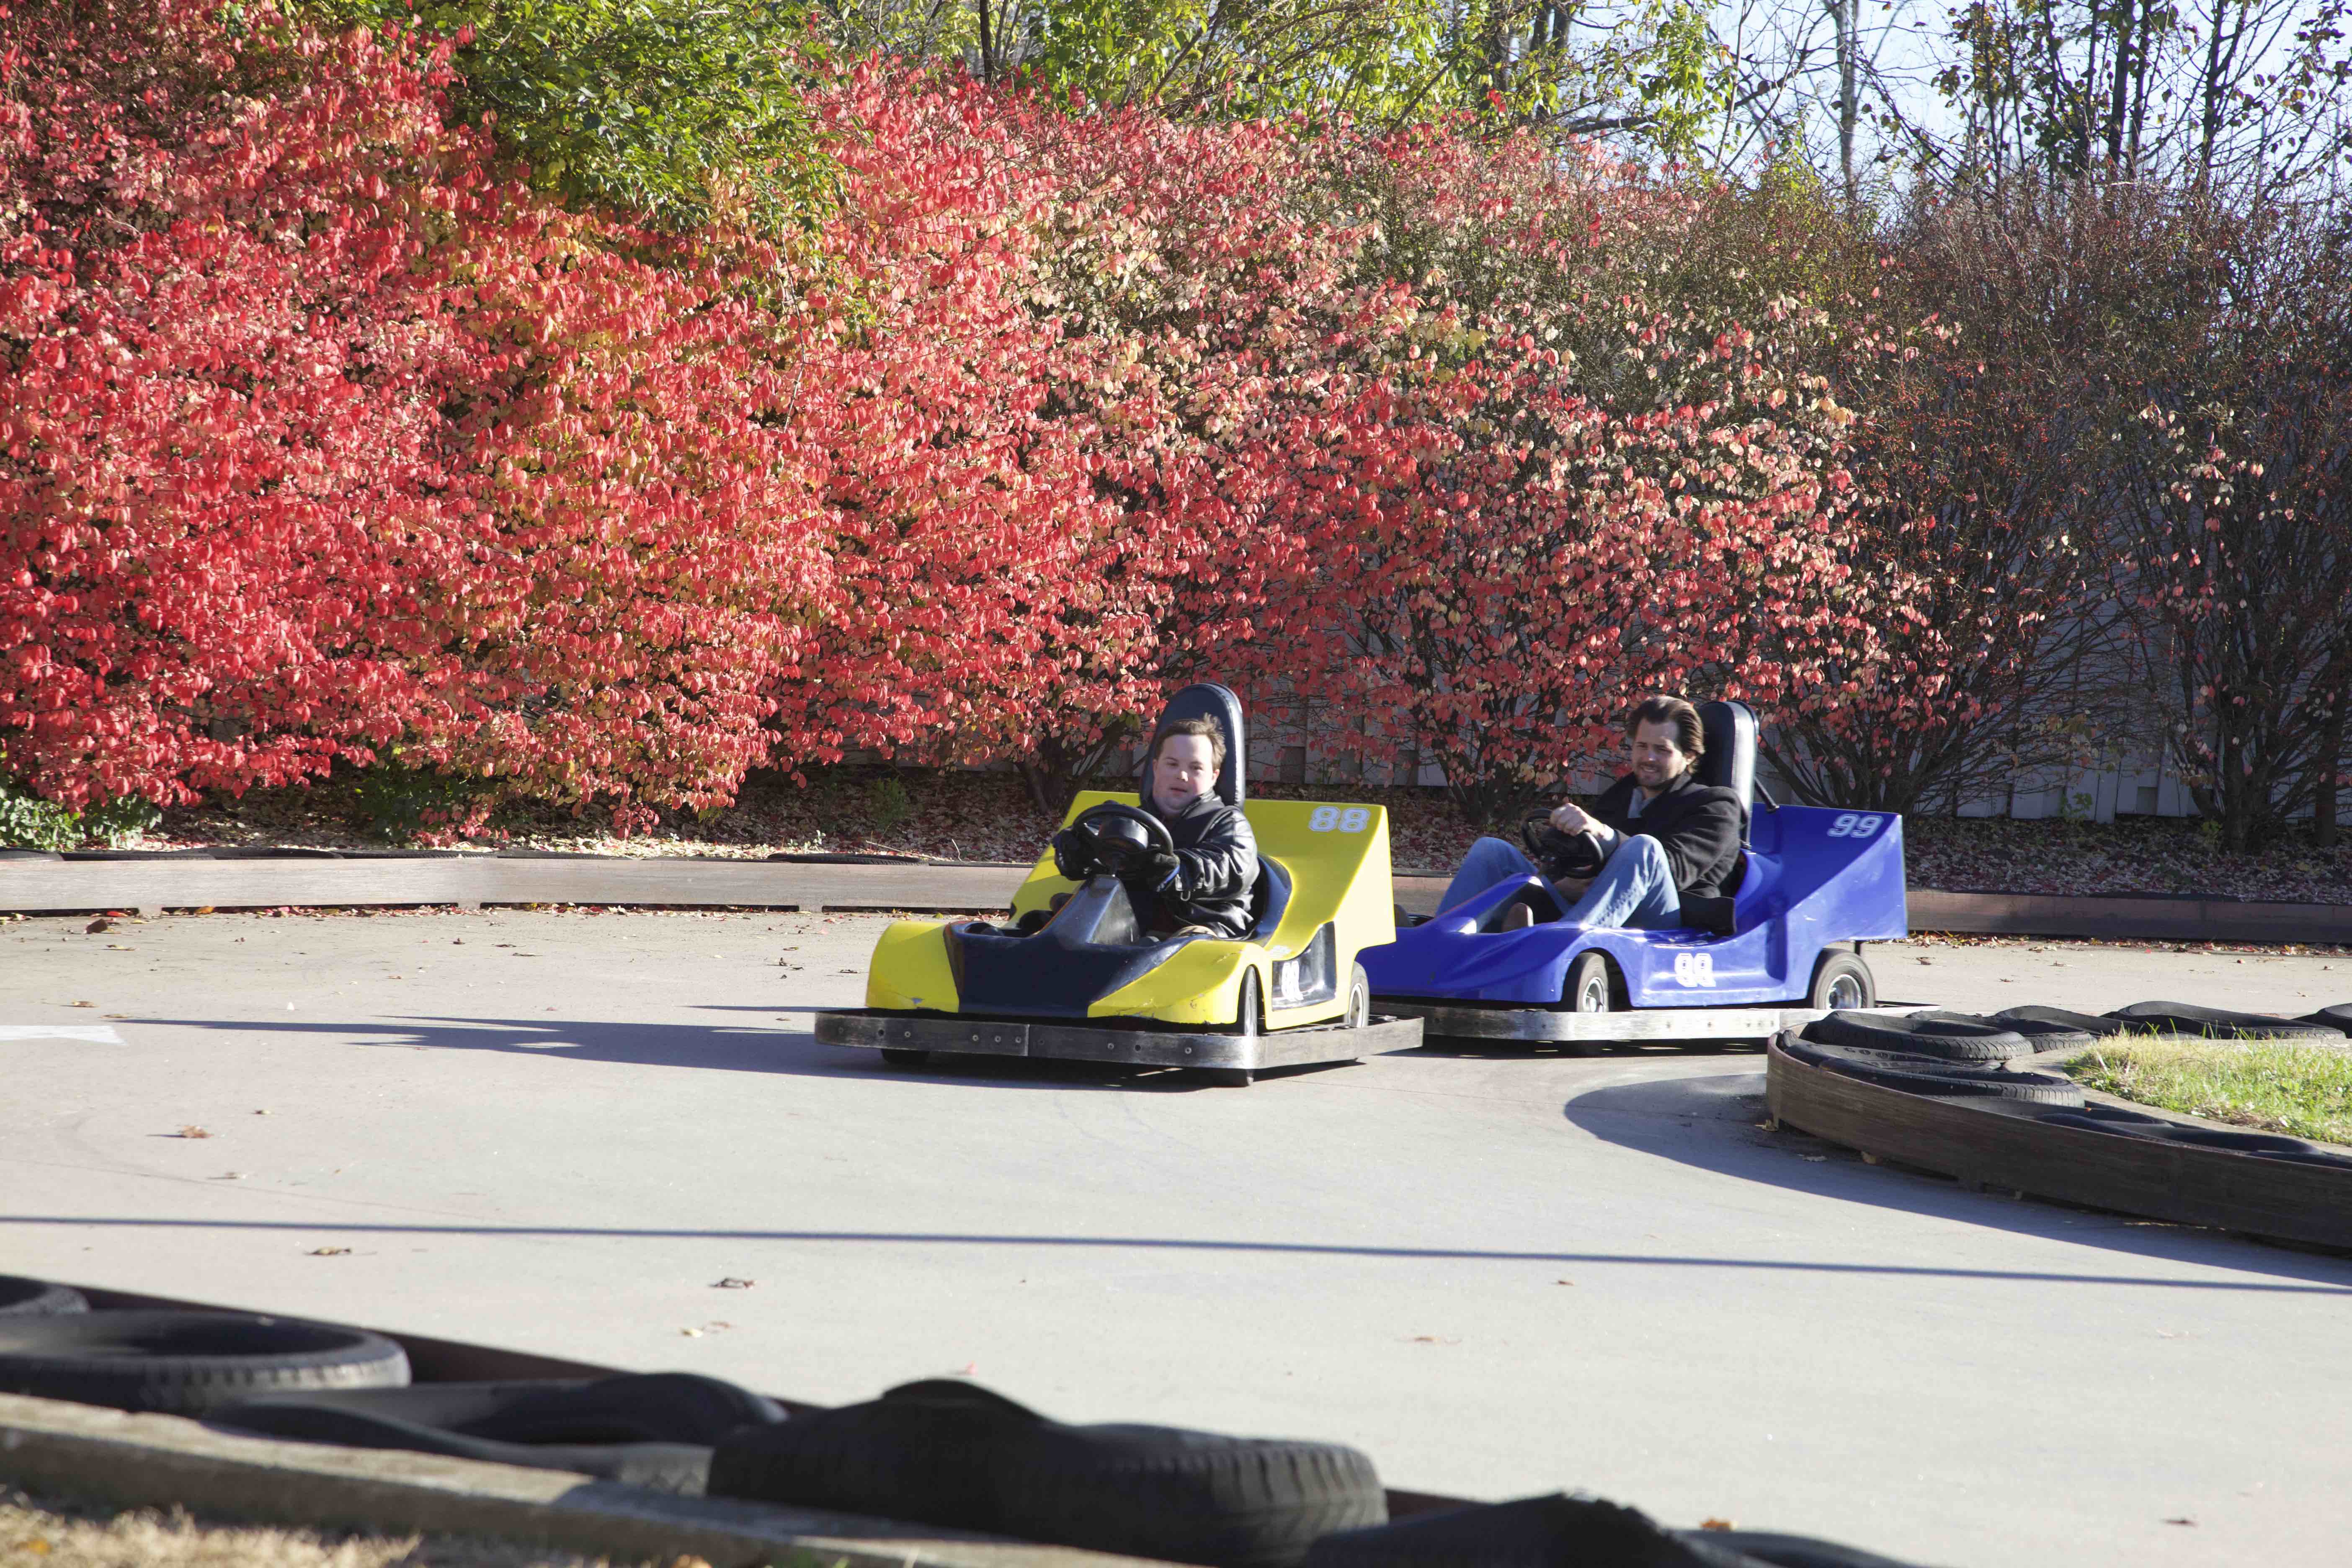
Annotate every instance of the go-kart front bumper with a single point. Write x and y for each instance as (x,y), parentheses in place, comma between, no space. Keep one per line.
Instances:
(874,1028)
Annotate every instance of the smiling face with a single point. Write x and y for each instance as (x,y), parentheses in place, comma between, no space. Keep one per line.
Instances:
(1185,769)
(1657,760)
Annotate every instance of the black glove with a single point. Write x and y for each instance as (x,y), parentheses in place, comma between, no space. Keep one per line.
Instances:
(1157,866)
(1074,855)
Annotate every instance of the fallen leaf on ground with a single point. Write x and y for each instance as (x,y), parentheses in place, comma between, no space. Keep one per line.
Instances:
(98,925)
(731,1283)
(328,1251)
(81,1004)
(192,1132)
(230,1176)
(2180,1521)
(691,1333)
(1563,1281)
(1714,1524)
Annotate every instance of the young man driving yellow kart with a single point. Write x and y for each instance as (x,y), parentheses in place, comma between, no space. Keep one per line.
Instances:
(1202,886)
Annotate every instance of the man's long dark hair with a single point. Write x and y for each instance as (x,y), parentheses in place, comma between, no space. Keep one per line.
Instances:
(1689,734)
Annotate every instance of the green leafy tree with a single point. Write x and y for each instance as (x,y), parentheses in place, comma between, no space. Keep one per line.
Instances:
(1648,71)
(677,110)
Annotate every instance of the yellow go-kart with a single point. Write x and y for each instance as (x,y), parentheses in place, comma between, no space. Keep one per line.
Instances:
(1077,978)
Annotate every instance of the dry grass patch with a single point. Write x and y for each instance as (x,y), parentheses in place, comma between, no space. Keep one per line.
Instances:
(39,1533)
(2303,1091)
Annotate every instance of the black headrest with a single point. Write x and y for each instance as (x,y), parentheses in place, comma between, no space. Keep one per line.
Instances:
(1207,701)
(1730,761)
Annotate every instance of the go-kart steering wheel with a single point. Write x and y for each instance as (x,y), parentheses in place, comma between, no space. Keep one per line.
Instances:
(1560,854)
(1111,837)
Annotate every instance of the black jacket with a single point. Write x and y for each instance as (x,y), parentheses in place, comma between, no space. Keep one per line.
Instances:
(1697,826)
(1216,862)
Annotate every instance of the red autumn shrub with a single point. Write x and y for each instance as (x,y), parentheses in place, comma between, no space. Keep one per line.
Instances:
(319,440)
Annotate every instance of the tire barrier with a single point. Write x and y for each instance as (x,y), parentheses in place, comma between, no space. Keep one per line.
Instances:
(1931,1075)
(654,1430)
(937,1452)
(2338,1018)
(2052,1028)
(38,1298)
(186,1364)
(1545,1531)
(2218,1024)
(1999,1125)
(948,1453)
(1950,1036)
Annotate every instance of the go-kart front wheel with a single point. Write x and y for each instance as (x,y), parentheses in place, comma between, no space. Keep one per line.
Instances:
(1842,983)
(1249,1017)
(1589,988)
(901,1057)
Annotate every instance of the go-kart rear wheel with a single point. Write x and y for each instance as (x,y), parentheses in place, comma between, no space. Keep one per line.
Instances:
(1360,999)
(1842,983)
(904,1057)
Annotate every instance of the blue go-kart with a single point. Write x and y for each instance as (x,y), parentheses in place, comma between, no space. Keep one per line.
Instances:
(1814,886)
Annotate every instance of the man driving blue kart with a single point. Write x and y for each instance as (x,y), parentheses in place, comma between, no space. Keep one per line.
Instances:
(1656,842)
(1202,886)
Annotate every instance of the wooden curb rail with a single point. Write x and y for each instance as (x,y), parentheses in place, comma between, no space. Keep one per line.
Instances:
(1972,1141)
(154,884)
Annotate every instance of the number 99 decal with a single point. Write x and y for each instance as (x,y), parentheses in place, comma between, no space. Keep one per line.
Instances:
(1852,825)
(1328,818)
(1694,969)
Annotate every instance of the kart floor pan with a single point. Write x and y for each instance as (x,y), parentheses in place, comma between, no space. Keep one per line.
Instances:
(875,1030)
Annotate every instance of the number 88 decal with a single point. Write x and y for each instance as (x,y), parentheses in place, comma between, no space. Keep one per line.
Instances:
(1853,825)
(1327,818)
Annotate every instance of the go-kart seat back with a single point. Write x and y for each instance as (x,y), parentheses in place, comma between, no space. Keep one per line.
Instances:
(1729,760)
(1208,701)
(1269,899)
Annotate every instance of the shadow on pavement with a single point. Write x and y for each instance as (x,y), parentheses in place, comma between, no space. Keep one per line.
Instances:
(2320,1286)
(1715,1122)
(789,1049)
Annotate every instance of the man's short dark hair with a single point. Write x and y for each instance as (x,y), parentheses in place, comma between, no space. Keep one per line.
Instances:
(1208,727)
(1690,735)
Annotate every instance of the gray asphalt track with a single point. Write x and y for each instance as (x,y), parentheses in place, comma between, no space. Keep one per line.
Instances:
(1496,1274)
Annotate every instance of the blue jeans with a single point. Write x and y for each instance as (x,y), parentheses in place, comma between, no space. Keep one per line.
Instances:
(1636,889)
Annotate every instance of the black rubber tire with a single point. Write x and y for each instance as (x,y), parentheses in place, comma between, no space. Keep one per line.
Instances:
(1833,968)
(918,1453)
(905,1057)
(1791,1550)
(1228,1078)
(2338,1018)
(187,1364)
(1948,1037)
(949,1452)
(1187,1496)
(1529,1533)
(2056,1028)
(1360,999)
(22,1297)
(1249,1007)
(2218,1023)
(1589,979)
(1926,1075)
(651,1431)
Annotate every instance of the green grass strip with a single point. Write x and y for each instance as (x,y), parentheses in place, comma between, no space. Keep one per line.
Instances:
(2305,1091)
